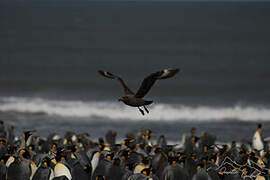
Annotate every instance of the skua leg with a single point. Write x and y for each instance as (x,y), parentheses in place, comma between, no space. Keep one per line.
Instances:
(146,109)
(141,111)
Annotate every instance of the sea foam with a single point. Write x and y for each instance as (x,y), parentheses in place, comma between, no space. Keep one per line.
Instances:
(119,111)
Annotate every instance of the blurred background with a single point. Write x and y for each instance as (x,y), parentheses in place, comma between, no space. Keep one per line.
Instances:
(50,52)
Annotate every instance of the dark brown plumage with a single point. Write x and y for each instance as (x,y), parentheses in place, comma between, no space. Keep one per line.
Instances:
(136,100)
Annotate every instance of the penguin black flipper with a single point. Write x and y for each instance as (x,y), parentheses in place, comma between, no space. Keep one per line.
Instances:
(79,173)
(42,173)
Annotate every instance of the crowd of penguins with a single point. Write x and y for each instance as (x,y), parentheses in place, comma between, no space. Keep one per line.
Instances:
(137,157)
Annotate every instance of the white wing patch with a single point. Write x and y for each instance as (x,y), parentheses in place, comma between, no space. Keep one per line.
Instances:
(106,73)
(165,73)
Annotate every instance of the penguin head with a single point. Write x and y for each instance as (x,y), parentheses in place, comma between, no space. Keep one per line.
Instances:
(70,136)
(204,160)
(193,130)
(195,139)
(129,166)
(224,148)
(17,159)
(148,137)
(11,149)
(85,136)
(87,168)
(148,132)
(55,138)
(114,133)
(2,161)
(193,155)
(252,153)
(180,155)
(109,156)
(116,147)
(157,149)
(124,154)
(147,149)
(74,138)
(253,157)
(10,128)
(146,171)
(101,140)
(69,142)
(205,148)
(213,158)
(54,146)
(46,161)
(199,165)
(233,144)
(74,148)
(31,147)
(4,158)
(172,160)
(182,162)
(101,147)
(129,142)
(3,141)
(60,154)
(24,153)
(259,126)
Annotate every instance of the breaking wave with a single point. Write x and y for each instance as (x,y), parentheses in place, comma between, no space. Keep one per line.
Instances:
(117,111)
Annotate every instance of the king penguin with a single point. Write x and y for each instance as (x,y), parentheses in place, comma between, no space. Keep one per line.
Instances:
(44,171)
(95,160)
(19,169)
(3,168)
(61,169)
(257,142)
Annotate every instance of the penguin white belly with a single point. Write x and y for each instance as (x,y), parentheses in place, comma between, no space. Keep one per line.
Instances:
(51,175)
(61,170)
(33,169)
(257,141)
(139,168)
(10,161)
(94,161)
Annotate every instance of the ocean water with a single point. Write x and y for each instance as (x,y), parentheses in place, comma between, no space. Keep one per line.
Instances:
(50,53)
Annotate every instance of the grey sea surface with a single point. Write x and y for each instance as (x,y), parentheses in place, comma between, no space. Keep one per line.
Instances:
(50,53)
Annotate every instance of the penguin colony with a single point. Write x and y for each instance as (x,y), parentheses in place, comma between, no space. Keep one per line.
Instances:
(137,157)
